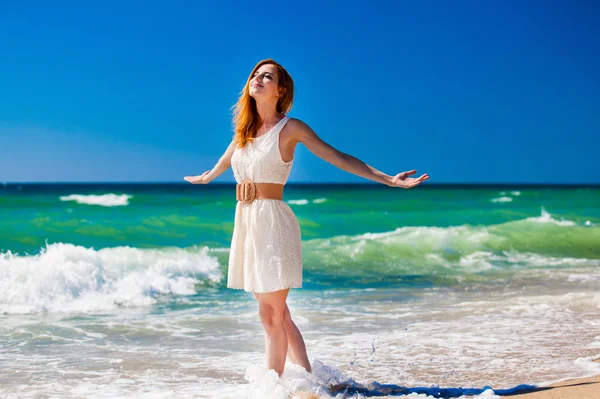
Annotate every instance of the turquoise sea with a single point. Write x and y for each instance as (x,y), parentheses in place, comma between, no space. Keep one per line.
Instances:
(119,290)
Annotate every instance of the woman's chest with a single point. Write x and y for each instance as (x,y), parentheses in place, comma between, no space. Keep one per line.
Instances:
(252,155)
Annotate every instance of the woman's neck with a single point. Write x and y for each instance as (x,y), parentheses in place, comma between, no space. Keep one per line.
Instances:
(267,112)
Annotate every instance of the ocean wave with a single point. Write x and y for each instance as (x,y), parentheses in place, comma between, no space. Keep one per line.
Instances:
(102,200)
(546,217)
(298,202)
(305,201)
(541,243)
(66,277)
(515,193)
(502,199)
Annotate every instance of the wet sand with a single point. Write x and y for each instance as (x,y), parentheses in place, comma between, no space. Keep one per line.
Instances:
(581,388)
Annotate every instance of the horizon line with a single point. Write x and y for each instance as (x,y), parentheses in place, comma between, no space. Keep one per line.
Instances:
(424,184)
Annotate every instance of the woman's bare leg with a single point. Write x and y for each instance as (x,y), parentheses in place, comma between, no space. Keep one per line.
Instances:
(271,307)
(296,346)
(296,350)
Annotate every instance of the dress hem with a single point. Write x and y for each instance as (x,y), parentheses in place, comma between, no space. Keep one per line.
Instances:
(265,292)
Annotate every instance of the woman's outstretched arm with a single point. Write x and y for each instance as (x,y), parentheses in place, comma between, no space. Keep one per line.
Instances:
(305,135)
(220,167)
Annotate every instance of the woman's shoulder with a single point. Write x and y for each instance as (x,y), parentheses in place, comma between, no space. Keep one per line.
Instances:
(298,130)
(297,124)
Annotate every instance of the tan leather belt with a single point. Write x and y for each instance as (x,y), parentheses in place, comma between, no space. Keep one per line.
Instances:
(248,191)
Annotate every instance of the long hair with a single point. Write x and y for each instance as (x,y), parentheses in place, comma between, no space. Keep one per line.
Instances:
(245,115)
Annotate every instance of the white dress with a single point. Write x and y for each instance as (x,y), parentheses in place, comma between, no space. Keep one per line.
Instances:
(266,247)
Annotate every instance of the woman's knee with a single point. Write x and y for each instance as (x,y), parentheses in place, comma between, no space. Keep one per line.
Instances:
(287,317)
(270,317)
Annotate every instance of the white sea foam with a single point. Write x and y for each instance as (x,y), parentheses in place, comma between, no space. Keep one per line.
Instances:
(502,199)
(67,277)
(296,383)
(298,202)
(477,261)
(305,201)
(432,234)
(547,218)
(448,340)
(102,200)
(515,193)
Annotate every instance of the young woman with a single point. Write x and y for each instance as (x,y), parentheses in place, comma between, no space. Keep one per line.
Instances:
(266,256)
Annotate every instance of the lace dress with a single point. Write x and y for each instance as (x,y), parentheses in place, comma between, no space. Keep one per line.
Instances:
(266,246)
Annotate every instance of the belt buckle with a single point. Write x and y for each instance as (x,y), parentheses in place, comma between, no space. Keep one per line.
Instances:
(247,191)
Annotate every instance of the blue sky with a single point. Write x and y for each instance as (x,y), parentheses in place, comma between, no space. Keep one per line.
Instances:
(466,91)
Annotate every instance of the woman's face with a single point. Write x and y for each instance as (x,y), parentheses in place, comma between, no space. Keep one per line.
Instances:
(264,83)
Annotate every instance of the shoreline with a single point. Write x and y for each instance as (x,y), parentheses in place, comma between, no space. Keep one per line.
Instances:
(574,388)
(578,388)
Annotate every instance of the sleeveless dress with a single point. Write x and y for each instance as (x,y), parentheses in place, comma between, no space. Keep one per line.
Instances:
(266,246)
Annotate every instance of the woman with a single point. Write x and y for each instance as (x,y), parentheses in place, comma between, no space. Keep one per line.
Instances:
(266,256)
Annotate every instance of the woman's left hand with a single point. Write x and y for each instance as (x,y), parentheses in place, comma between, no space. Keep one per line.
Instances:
(402,179)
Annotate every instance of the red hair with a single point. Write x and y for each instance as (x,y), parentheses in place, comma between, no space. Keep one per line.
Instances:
(245,116)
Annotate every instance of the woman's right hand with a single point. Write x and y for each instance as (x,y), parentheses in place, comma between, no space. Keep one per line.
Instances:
(198,179)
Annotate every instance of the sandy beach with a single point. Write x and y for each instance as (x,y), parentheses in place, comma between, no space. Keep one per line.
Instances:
(584,388)
(581,388)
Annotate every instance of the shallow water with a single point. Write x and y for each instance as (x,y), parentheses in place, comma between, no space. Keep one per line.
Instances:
(119,291)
